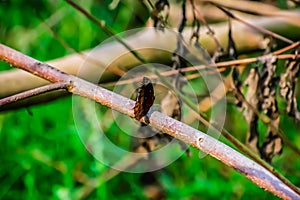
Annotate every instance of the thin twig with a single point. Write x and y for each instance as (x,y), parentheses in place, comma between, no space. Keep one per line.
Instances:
(83,55)
(250,169)
(262,30)
(244,8)
(292,46)
(220,65)
(151,4)
(106,29)
(210,32)
(34,92)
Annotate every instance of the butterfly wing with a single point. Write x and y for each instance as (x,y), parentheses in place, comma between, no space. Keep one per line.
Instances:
(145,99)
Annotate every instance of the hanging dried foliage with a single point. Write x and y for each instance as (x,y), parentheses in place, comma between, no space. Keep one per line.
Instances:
(160,13)
(272,144)
(288,81)
(251,118)
(259,96)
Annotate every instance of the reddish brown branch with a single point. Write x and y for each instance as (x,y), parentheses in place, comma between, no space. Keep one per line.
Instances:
(220,65)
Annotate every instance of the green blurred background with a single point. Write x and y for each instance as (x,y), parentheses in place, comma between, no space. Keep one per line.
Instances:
(41,154)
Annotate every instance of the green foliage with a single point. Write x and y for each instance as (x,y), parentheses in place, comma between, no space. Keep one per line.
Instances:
(41,154)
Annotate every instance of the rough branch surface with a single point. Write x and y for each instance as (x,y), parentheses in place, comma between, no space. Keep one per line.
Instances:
(198,139)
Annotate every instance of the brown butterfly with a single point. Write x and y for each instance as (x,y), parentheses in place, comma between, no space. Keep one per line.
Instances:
(144,99)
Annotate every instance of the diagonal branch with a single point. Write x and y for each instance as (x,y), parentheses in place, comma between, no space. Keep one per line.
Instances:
(179,130)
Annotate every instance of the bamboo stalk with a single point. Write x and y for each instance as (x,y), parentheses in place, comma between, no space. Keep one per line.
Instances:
(246,39)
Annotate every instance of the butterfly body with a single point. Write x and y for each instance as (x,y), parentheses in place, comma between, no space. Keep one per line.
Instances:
(144,100)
